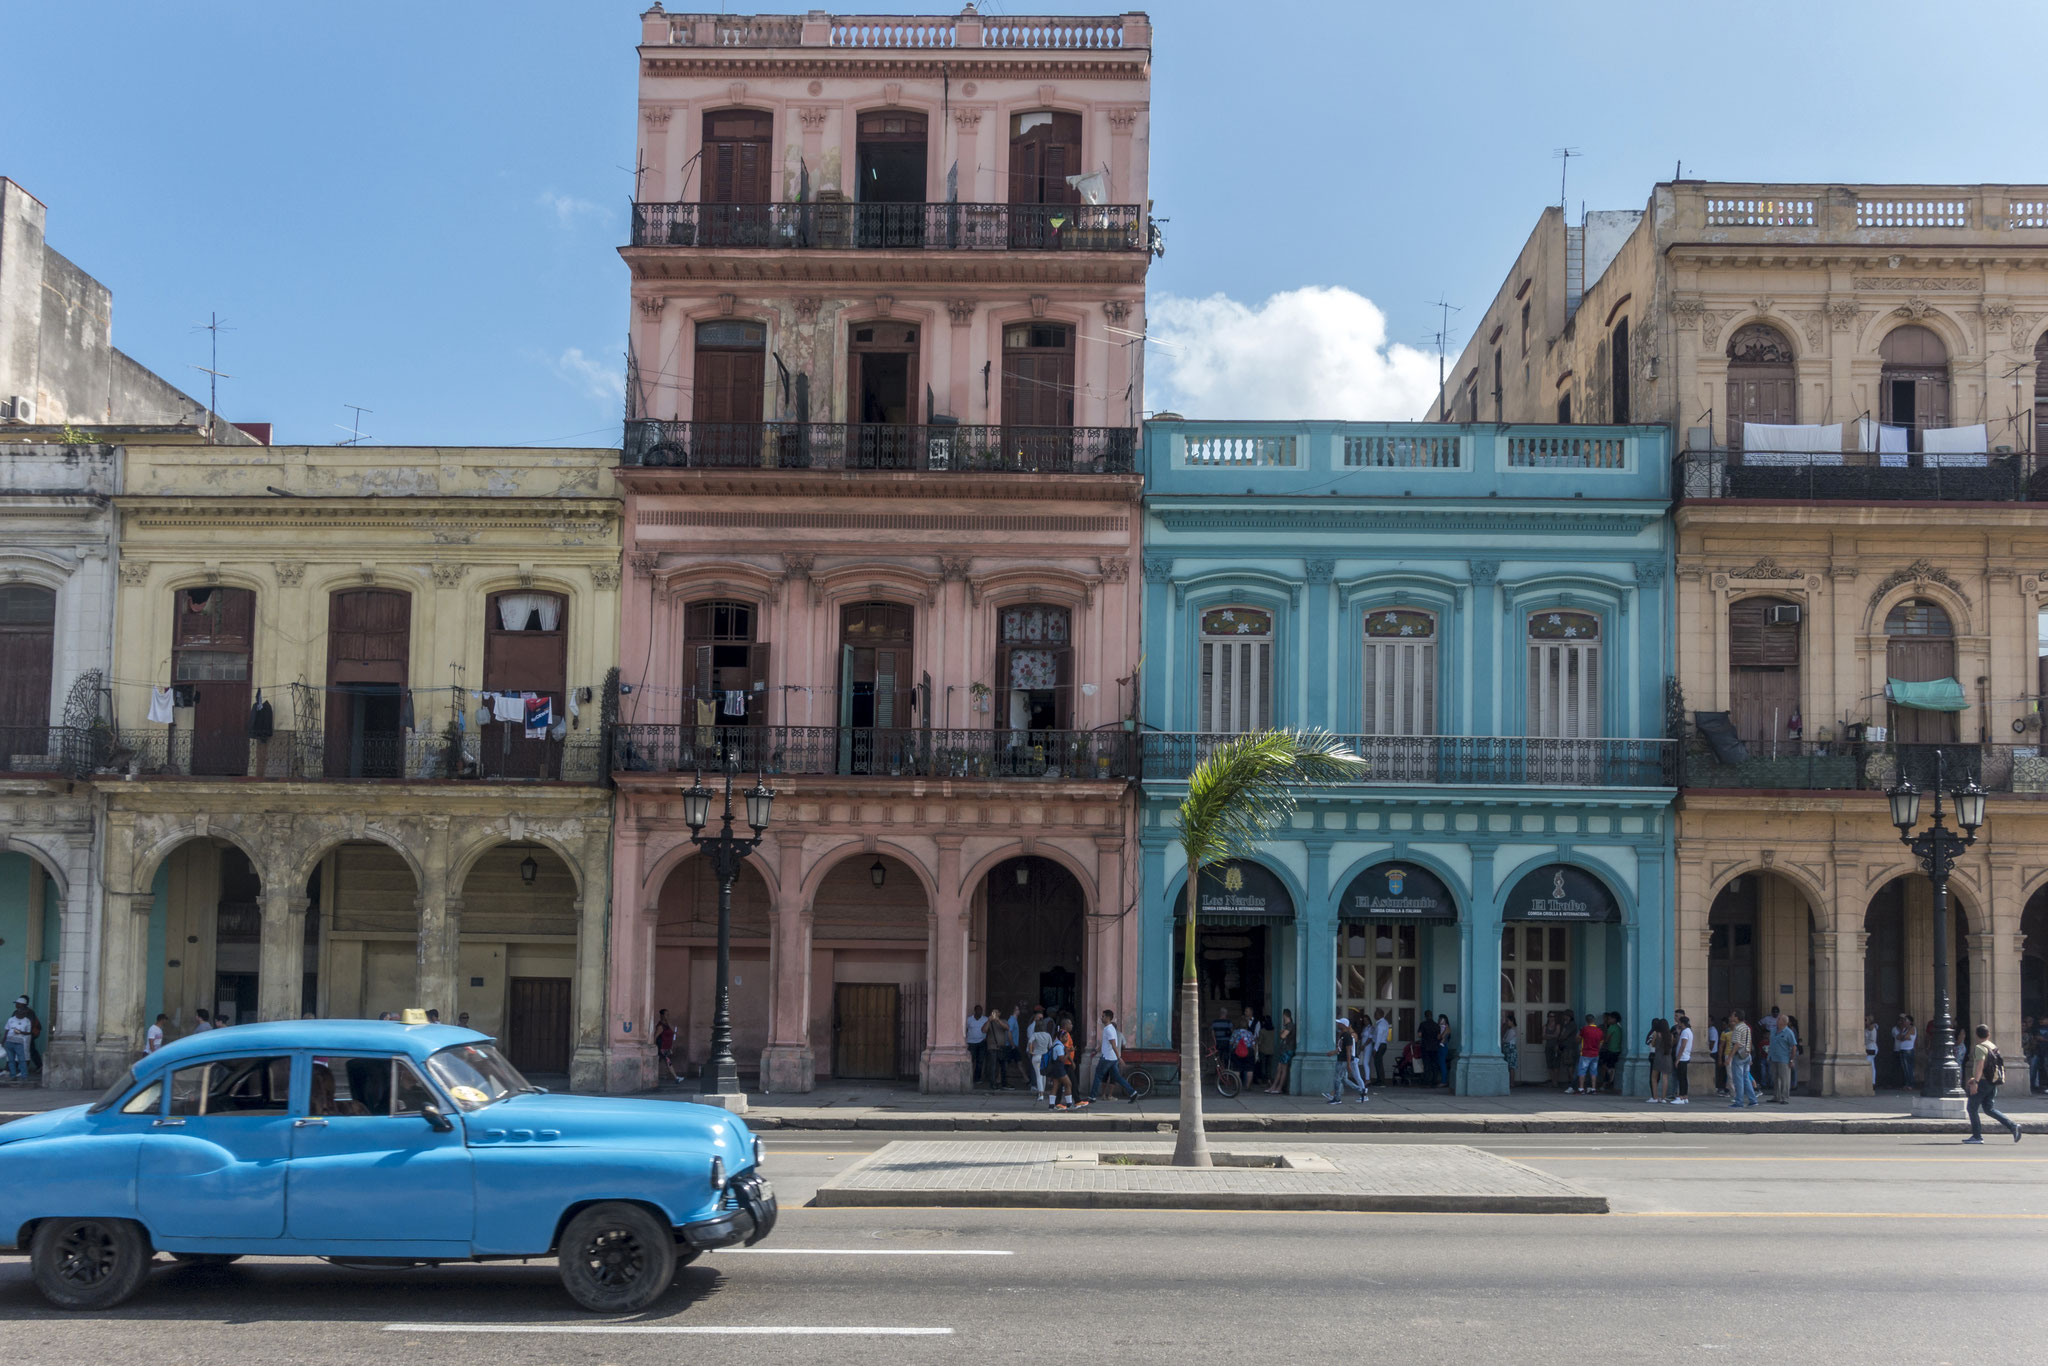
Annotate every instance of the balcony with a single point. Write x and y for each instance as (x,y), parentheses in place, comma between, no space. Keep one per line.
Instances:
(312,757)
(1459,760)
(1082,35)
(935,449)
(1799,476)
(841,226)
(1853,766)
(1721,213)
(42,751)
(829,751)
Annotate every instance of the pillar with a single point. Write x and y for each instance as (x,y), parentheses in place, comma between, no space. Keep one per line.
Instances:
(1841,1068)
(1637,1008)
(788,1063)
(1689,945)
(440,917)
(1158,991)
(1481,1070)
(281,960)
(593,906)
(122,984)
(947,1066)
(629,952)
(1315,986)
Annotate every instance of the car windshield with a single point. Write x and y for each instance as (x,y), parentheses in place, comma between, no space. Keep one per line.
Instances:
(476,1074)
(114,1092)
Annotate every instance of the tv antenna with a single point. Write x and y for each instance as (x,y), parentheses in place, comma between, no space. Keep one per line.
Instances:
(355,430)
(1445,309)
(214,325)
(1564,155)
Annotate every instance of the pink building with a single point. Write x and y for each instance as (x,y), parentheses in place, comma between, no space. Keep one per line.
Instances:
(886,370)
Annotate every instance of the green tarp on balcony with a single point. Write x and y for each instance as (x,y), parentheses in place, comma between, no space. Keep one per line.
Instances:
(1939,694)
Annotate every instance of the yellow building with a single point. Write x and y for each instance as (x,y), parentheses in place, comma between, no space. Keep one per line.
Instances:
(1853,373)
(354,758)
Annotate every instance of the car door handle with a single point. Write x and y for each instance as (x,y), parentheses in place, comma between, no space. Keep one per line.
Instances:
(167,1123)
(309,1124)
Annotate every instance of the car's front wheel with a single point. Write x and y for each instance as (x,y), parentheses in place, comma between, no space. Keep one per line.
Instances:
(617,1258)
(89,1263)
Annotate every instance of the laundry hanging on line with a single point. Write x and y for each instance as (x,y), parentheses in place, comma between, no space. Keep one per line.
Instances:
(162,706)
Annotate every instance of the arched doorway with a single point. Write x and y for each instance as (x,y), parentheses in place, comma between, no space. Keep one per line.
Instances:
(369,923)
(205,937)
(1763,381)
(515,972)
(876,687)
(1763,673)
(1913,389)
(686,962)
(1243,915)
(2034,956)
(1034,932)
(31,937)
(871,994)
(1898,969)
(369,644)
(1760,957)
(1920,652)
(1397,931)
(1563,955)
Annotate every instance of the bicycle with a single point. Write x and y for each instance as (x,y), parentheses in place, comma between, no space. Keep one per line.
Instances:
(1227,1084)
(1137,1083)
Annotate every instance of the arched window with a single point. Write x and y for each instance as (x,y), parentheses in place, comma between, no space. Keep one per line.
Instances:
(2040,432)
(1763,383)
(1400,672)
(1618,396)
(1035,670)
(1763,672)
(1920,647)
(28,625)
(1914,390)
(1564,675)
(1237,671)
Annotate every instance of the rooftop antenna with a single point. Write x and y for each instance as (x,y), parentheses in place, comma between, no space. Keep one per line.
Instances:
(1445,309)
(214,325)
(355,429)
(1564,156)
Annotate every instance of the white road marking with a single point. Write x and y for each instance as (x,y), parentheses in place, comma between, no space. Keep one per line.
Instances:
(663,1330)
(859,1252)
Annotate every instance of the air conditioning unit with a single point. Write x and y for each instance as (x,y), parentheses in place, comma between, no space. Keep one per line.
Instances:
(1785,615)
(21,408)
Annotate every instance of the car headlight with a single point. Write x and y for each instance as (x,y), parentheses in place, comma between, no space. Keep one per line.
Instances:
(760,1152)
(718,1173)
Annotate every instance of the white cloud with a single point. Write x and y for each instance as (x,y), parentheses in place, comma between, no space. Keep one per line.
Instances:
(1306,353)
(595,378)
(568,208)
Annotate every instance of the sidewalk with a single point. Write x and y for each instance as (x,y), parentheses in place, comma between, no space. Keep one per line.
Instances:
(1392,1109)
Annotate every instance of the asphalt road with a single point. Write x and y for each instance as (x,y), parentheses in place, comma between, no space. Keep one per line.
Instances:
(1794,1249)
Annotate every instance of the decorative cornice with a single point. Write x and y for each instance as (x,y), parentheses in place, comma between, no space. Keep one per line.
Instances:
(766,64)
(448,574)
(1158,569)
(605,576)
(1767,568)
(289,572)
(1114,568)
(1319,571)
(1918,573)
(946,270)
(1921,284)
(1376,519)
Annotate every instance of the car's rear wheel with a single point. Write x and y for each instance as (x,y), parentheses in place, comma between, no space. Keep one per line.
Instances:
(207,1258)
(617,1258)
(89,1263)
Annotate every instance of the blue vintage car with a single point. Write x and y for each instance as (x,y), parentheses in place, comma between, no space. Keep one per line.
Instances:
(366,1141)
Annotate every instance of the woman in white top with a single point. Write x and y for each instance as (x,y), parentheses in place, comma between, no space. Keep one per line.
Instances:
(1904,1037)
(1037,1047)
(1870,1045)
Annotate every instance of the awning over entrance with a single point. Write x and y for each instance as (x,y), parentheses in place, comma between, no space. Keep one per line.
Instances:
(1397,891)
(1558,891)
(1936,694)
(1237,892)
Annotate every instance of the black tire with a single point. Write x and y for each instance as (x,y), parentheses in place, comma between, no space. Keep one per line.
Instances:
(89,1263)
(207,1258)
(1138,1083)
(617,1258)
(1226,1083)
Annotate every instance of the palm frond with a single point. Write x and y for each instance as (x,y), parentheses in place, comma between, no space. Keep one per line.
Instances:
(1243,790)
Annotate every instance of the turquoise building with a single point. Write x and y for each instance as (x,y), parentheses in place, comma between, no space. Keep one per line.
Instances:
(1486,612)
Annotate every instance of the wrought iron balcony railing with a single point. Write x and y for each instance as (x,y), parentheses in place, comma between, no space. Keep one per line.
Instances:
(841,226)
(1856,766)
(43,751)
(824,751)
(1460,760)
(938,448)
(1803,476)
(313,756)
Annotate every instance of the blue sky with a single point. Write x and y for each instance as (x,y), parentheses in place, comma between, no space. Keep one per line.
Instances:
(415,206)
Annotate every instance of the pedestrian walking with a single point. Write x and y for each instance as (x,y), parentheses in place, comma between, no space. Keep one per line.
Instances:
(1510,1046)
(1905,1038)
(1798,1047)
(1870,1046)
(1784,1040)
(1382,1034)
(1346,1055)
(1109,1051)
(154,1038)
(1240,1054)
(665,1047)
(1425,1045)
(1984,1074)
(1444,1050)
(1018,1024)
(1681,1062)
(1719,1055)
(977,1042)
(16,1036)
(1038,1043)
(1553,1049)
(1741,1079)
(1591,1038)
(202,1022)
(1283,1055)
(995,1043)
(1658,1040)
(1610,1053)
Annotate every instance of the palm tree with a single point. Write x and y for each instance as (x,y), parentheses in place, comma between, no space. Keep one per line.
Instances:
(1236,796)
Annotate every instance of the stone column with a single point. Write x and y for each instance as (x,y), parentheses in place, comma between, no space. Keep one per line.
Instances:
(593,907)
(281,964)
(1481,1070)
(1315,984)
(440,918)
(123,984)
(1637,994)
(788,1064)
(1689,943)
(947,1066)
(1842,1070)
(1158,989)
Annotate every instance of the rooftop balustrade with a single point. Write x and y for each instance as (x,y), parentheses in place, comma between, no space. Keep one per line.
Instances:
(1817,213)
(1030,33)
(938,448)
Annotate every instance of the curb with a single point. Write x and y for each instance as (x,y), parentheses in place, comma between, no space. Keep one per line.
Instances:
(829,1198)
(1419,1124)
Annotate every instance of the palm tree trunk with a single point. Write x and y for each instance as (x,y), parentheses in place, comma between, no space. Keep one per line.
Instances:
(1191,1145)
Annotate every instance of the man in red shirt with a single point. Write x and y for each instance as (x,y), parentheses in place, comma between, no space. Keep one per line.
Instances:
(1592,1039)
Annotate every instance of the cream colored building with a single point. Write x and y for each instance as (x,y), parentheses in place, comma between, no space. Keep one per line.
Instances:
(1812,583)
(311,805)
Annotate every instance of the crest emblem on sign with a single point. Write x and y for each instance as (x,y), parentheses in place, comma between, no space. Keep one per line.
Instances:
(1395,878)
(1557,885)
(1233,880)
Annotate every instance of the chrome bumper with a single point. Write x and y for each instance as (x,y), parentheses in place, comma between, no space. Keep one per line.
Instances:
(749,1223)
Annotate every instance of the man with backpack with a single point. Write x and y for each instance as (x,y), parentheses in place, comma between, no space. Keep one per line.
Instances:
(665,1047)
(1983,1075)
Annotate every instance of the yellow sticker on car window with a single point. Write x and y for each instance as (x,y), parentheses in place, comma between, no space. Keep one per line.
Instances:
(469,1095)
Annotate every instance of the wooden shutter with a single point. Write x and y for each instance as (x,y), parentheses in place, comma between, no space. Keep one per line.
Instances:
(1752,643)
(28,617)
(1564,689)
(729,386)
(1236,685)
(1400,687)
(368,634)
(736,157)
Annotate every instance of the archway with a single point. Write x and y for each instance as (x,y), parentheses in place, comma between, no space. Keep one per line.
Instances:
(368,924)
(205,937)
(2034,955)
(1564,953)
(515,973)
(870,988)
(1913,391)
(31,937)
(1898,971)
(1244,915)
(686,961)
(1034,934)
(1760,956)
(1397,930)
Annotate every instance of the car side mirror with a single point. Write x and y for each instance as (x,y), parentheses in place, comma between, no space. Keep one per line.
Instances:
(436,1121)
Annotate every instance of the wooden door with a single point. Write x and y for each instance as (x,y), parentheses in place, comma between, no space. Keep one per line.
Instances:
(538,1030)
(369,646)
(212,638)
(526,650)
(1731,951)
(1920,647)
(1038,376)
(28,624)
(864,1030)
(1045,148)
(738,175)
(1763,675)
(883,396)
(1763,385)
(1535,981)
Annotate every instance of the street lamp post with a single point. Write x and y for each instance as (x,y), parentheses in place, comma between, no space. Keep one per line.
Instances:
(726,851)
(1937,848)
